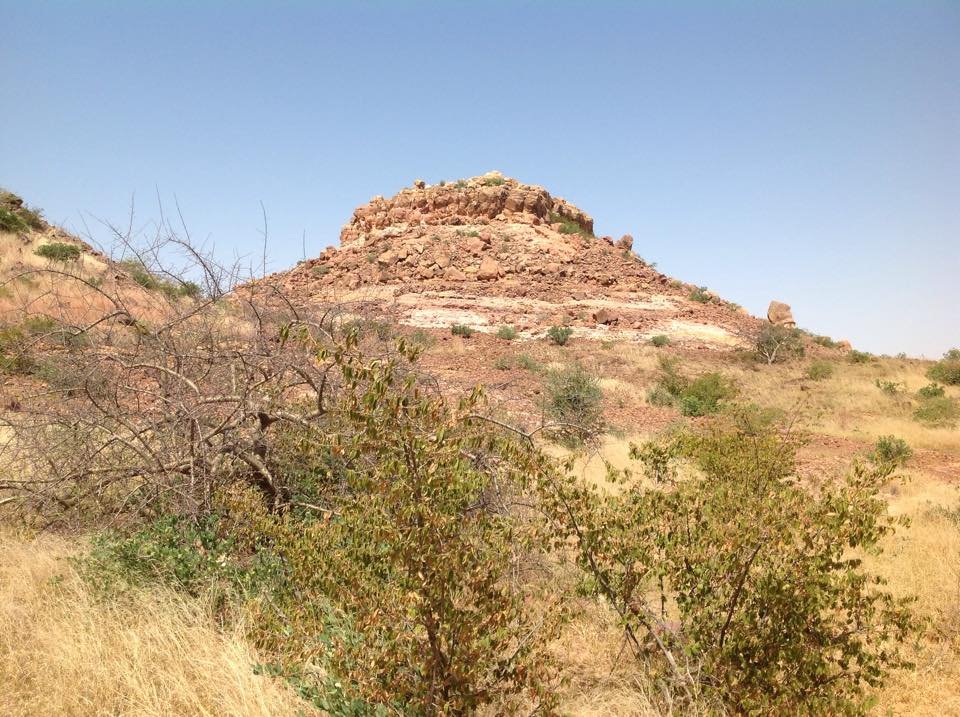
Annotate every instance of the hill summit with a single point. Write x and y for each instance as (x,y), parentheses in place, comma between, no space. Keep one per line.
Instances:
(491,251)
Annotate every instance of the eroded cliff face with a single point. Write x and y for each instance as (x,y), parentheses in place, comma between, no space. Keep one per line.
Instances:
(490,251)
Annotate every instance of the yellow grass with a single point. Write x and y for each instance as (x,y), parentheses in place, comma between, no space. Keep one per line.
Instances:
(62,652)
(924,561)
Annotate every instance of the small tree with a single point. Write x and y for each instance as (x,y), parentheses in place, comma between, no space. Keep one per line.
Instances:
(775,343)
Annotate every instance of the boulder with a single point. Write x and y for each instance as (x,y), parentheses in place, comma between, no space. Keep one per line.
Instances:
(452,273)
(625,242)
(605,316)
(419,184)
(489,269)
(780,314)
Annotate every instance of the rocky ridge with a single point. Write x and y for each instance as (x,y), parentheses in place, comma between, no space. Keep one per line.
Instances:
(492,251)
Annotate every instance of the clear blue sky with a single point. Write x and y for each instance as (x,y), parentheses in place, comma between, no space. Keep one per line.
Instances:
(805,151)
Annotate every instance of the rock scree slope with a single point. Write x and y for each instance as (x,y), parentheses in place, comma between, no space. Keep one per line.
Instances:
(491,251)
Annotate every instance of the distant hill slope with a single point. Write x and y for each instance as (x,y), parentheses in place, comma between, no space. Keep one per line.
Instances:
(492,251)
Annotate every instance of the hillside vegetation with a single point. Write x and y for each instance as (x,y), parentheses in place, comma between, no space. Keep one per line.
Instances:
(224,497)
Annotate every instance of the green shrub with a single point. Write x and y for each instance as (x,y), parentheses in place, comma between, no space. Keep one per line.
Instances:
(931,390)
(493,181)
(412,607)
(528,363)
(698,397)
(559,334)
(58,251)
(573,396)
(10,221)
(568,226)
(891,388)
(939,412)
(859,356)
(659,396)
(462,330)
(892,451)
(819,370)
(700,294)
(947,370)
(825,341)
(660,340)
(704,394)
(507,333)
(745,572)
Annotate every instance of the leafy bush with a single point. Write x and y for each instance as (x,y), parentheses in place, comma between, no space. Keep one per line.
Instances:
(700,294)
(195,556)
(529,363)
(745,573)
(573,396)
(16,216)
(778,343)
(462,330)
(947,370)
(58,251)
(559,334)
(659,396)
(568,226)
(660,340)
(892,451)
(493,181)
(891,388)
(819,370)
(697,397)
(825,341)
(859,356)
(10,221)
(412,606)
(931,390)
(704,394)
(507,333)
(941,411)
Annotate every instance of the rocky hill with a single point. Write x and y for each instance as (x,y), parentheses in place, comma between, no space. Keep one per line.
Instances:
(492,251)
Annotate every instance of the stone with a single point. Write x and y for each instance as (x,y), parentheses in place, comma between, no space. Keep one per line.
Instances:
(489,269)
(844,345)
(452,273)
(605,316)
(780,314)
(443,260)
(419,184)
(387,258)
(625,242)
(475,245)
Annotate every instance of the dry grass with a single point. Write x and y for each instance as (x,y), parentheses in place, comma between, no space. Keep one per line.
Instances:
(63,652)
(924,560)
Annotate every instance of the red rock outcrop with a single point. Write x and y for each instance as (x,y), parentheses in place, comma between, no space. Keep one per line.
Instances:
(491,250)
